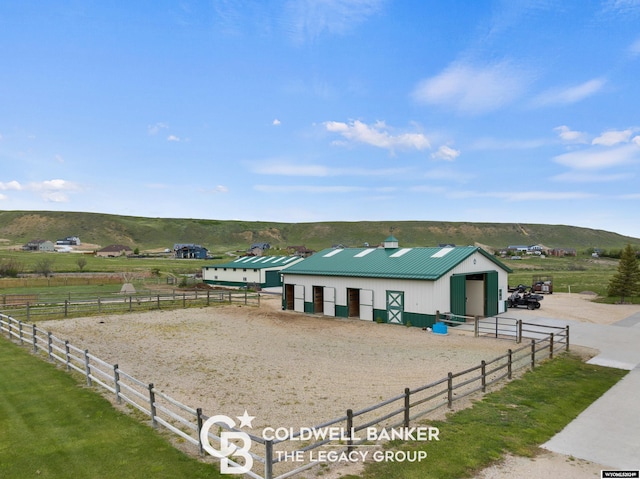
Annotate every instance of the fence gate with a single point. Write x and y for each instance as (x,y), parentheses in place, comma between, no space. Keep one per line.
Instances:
(395,307)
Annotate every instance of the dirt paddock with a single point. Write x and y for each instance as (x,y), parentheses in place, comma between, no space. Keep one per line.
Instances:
(292,370)
(287,369)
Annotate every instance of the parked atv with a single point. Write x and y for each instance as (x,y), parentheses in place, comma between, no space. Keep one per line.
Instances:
(528,300)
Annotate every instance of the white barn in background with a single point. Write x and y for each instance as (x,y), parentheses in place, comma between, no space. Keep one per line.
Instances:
(256,271)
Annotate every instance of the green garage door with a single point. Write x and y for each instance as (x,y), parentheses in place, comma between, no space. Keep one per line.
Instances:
(491,293)
(458,297)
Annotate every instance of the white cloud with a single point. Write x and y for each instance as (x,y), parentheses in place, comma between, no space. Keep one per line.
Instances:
(219,189)
(571,94)
(377,135)
(445,153)
(3,197)
(307,189)
(570,136)
(613,137)
(509,144)
(634,48)
(597,158)
(11,185)
(308,19)
(54,190)
(513,196)
(173,138)
(290,168)
(585,177)
(470,89)
(155,129)
(276,122)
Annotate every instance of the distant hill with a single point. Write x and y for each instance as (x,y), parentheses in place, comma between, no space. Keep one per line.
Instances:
(19,227)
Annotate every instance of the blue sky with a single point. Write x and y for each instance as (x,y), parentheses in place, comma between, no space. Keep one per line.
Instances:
(327,110)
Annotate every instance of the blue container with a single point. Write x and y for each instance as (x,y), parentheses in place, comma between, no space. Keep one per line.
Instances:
(440,328)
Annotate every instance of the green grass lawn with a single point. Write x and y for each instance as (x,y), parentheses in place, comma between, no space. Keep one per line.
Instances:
(51,427)
(515,419)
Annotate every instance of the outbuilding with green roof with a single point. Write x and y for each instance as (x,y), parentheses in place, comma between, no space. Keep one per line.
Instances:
(397,285)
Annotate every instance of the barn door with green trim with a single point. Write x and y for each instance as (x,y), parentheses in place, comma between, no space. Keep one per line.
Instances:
(491,294)
(395,306)
(458,300)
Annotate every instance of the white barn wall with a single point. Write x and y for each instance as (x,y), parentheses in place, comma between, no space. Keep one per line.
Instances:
(420,296)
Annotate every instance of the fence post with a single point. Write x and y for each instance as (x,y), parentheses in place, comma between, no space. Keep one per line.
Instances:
(207,297)
(509,363)
(130,304)
(116,382)
(9,327)
(87,367)
(496,326)
(551,346)
(184,300)
(34,333)
(533,353)
(66,354)
(199,420)
(66,308)
(159,300)
(99,305)
(28,312)
(49,345)
(268,459)
(476,327)
(20,332)
(567,338)
(407,406)
(152,405)
(450,390)
(483,365)
(350,429)
(519,333)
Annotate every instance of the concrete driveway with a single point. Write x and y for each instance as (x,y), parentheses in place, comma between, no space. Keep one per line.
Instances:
(608,431)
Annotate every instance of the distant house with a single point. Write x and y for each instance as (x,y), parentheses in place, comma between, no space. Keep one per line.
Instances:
(301,251)
(563,252)
(114,250)
(69,241)
(39,245)
(189,251)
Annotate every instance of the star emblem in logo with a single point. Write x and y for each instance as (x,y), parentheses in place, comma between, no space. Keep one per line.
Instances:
(245,419)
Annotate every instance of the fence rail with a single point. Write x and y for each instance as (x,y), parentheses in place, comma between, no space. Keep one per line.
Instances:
(187,422)
(35,307)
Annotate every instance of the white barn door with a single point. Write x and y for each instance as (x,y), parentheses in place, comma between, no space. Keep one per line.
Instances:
(366,304)
(298,298)
(329,303)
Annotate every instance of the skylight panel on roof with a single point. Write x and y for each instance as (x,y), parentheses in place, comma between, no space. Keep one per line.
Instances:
(364,253)
(287,260)
(442,252)
(402,252)
(333,253)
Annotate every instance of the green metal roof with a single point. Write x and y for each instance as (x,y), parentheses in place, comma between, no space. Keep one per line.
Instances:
(398,263)
(258,262)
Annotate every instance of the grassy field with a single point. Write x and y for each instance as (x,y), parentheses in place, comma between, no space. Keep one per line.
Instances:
(516,420)
(50,427)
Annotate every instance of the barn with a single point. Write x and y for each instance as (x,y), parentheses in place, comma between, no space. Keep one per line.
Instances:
(256,271)
(397,285)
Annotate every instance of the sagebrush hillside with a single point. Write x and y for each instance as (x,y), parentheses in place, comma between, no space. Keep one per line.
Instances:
(19,227)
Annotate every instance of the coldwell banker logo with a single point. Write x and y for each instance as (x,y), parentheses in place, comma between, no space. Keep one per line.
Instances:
(229,448)
(236,444)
